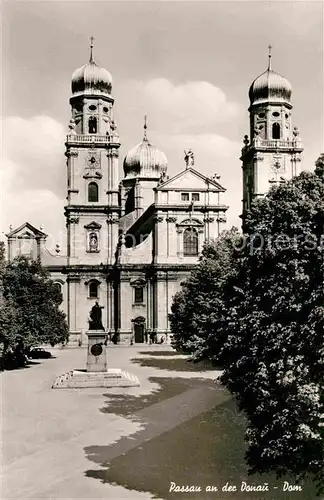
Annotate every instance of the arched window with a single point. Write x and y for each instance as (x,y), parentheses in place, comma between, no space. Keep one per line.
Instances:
(58,286)
(276,131)
(92,125)
(93,192)
(190,242)
(93,289)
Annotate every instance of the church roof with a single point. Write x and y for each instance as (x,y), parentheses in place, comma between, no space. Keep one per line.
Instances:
(145,159)
(199,181)
(270,86)
(91,78)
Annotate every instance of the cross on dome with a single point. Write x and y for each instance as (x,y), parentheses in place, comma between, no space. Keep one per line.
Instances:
(145,128)
(269,56)
(91,60)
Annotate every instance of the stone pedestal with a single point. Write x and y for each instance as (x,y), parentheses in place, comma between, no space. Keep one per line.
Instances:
(96,374)
(96,359)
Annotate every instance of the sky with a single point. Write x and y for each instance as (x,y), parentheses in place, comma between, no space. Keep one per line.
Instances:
(187,65)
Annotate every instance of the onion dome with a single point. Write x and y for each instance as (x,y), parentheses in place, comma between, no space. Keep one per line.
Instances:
(270,86)
(90,78)
(145,160)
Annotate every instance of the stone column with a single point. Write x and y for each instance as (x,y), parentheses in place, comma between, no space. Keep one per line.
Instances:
(72,295)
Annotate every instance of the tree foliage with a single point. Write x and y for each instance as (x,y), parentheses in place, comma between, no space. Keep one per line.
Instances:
(30,313)
(271,323)
(197,312)
(274,350)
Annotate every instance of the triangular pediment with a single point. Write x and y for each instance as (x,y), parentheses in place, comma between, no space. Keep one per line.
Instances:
(26,230)
(93,225)
(191,222)
(190,179)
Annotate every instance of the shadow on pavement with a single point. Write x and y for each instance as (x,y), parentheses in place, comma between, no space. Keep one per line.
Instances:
(176,364)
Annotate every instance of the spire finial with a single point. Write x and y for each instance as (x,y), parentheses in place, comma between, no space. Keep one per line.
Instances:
(269,56)
(91,60)
(145,127)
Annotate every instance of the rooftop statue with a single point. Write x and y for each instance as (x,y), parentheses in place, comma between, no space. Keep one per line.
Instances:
(189,158)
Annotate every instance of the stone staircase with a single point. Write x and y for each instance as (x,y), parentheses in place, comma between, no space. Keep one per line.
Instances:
(78,379)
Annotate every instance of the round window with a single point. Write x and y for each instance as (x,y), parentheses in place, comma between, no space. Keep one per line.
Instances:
(286,116)
(261,115)
(276,113)
(105,110)
(92,107)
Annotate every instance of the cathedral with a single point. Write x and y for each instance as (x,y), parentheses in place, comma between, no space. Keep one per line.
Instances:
(131,241)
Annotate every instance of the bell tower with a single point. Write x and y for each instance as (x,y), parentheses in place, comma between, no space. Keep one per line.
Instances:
(92,147)
(272,151)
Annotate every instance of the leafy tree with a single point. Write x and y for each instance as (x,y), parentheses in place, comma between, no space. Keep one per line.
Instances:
(2,257)
(263,320)
(30,314)
(274,349)
(197,312)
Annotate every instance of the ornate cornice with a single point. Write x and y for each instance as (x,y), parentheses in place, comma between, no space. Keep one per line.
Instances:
(72,220)
(113,153)
(73,278)
(92,280)
(112,219)
(92,175)
(71,152)
(171,219)
(138,282)
(221,218)
(258,157)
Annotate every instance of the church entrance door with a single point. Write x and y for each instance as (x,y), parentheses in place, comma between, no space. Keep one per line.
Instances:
(139,333)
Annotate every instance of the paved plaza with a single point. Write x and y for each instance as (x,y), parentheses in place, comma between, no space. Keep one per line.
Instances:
(50,438)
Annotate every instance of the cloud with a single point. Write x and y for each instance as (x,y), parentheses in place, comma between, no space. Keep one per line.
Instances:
(181,116)
(213,154)
(194,115)
(33,173)
(34,149)
(195,106)
(40,208)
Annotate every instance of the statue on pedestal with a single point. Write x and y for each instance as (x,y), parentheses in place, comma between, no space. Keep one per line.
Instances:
(95,318)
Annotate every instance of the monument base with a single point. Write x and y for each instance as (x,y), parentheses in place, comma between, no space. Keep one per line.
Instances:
(96,359)
(77,379)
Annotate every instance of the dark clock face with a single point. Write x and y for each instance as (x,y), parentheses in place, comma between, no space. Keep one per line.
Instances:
(278,164)
(96,349)
(92,159)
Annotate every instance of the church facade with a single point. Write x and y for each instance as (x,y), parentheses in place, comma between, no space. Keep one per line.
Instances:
(131,241)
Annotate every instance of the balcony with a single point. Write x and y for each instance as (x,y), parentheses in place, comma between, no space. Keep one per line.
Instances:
(280,144)
(92,139)
(273,145)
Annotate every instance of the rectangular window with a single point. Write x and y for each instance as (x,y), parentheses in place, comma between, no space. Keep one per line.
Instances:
(93,290)
(195,197)
(139,295)
(184,196)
